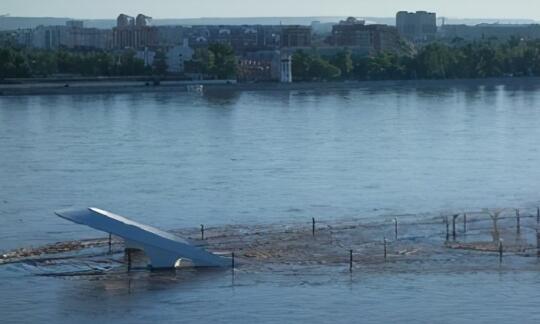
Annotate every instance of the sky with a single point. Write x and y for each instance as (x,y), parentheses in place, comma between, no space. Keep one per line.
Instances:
(92,9)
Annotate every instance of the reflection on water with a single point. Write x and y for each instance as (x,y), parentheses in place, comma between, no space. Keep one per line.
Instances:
(318,298)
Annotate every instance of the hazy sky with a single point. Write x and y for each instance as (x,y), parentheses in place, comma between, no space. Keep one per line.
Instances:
(250,8)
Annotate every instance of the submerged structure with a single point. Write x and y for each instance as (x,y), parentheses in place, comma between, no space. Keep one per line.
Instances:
(163,249)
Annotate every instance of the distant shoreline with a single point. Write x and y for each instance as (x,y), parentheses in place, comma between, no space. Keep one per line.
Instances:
(113,86)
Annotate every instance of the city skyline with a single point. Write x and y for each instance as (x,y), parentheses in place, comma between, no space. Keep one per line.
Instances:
(100,9)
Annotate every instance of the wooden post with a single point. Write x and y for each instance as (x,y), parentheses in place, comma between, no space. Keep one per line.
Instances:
(385,249)
(313,226)
(518,221)
(202,232)
(110,243)
(350,260)
(395,228)
(500,251)
(232,260)
(465,223)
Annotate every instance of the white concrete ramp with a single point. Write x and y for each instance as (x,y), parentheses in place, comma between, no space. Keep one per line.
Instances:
(162,248)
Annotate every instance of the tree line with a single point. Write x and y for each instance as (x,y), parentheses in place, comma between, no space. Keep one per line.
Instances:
(216,61)
(25,63)
(458,60)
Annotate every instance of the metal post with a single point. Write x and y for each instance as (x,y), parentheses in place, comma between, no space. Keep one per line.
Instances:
(447,230)
(518,221)
(202,232)
(232,260)
(129,259)
(110,243)
(350,260)
(538,243)
(395,228)
(313,226)
(464,223)
(385,249)
(500,251)
(454,227)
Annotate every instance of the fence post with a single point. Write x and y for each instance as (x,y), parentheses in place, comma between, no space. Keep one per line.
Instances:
(385,249)
(447,226)
(465,223)
(537,215)
(129,259)
(500,251)
(313,226)
(232,260)
(537,243)
(454,227)
(110,243)
(395,228)
(202,232)
(518,221)
(350,260)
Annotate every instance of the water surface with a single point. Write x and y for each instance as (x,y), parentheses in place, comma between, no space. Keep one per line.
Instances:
(179,160)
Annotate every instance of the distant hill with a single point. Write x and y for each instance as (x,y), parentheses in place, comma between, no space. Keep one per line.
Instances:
(12,23)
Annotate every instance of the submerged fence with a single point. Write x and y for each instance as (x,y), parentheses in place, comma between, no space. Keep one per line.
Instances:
(409,240)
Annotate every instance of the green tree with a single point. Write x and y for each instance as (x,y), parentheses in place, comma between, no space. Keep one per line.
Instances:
(320,69)
(128,64)
(386,66)
(160,63)
(224,66)
(343,60)
(202,62)
(436,61)
(301,62)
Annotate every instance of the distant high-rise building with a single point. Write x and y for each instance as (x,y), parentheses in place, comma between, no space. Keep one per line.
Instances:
(124,21)
(296,36)
(420,26)
(243,39)
(72,35)
(143,20)
(355,34)
(134,33)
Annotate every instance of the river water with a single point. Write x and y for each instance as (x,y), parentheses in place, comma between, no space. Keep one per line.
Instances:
(178,160)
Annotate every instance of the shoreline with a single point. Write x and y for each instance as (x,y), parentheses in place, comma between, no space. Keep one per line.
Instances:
(126,86)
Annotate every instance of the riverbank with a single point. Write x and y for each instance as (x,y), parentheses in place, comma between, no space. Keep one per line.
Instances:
(30,87)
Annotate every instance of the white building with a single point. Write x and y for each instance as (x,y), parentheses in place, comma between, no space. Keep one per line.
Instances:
(286,69)
(147,56)
(177,56)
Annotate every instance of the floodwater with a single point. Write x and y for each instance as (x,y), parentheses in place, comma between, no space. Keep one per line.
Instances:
(178,160)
